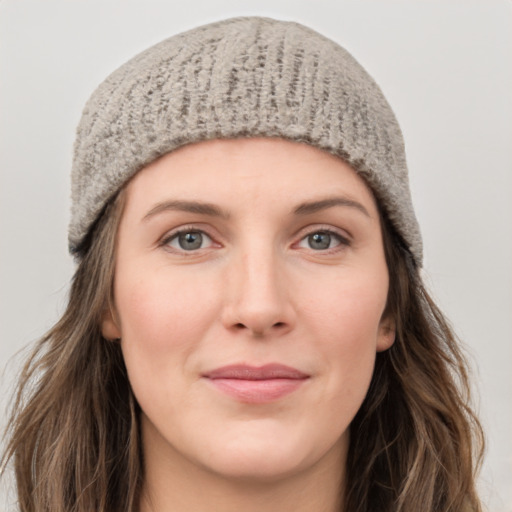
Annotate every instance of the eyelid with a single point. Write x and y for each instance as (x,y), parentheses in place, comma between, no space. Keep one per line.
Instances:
(175,232)
(344,237)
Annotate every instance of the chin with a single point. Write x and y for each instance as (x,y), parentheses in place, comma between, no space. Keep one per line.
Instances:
(257,466)
(269,456)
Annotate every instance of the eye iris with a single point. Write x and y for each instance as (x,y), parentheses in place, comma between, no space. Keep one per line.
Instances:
(191,240)
(319,240)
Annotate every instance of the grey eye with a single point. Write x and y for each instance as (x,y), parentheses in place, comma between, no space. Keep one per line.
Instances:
(320,240)
(189,240)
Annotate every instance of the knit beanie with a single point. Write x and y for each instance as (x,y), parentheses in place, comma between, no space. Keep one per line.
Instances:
(241,77)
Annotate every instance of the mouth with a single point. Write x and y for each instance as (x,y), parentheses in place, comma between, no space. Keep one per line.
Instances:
(256,384)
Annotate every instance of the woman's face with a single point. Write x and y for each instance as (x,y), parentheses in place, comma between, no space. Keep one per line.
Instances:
(250,287)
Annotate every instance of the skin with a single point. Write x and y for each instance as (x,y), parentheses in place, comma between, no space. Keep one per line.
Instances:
(257,290)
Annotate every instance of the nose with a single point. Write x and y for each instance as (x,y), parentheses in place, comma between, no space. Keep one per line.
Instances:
(258,295)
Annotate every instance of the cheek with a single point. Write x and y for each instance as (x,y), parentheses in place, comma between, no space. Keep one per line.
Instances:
(159,306)
(349,308)
(163,320)
(346,321)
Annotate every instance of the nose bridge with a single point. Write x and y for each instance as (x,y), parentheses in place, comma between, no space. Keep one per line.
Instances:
(258,300)
(260,285)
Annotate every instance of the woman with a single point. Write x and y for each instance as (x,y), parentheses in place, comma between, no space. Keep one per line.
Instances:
(247,328)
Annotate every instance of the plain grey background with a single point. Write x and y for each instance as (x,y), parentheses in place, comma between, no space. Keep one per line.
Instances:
(446,68)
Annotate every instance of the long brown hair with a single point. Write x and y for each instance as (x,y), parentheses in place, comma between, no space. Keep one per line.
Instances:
(416,444)
(74,433)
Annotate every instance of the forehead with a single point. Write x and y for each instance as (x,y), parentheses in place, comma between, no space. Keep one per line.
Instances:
(271,169)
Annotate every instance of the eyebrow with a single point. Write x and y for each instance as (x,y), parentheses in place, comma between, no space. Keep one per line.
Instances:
(186,206)
(315,206)
(212,210)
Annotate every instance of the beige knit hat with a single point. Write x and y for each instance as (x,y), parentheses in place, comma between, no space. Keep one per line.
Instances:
(240,77)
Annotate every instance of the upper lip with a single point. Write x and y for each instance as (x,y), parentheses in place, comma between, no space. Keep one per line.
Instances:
(248,372)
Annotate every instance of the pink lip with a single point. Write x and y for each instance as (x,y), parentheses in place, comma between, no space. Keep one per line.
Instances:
(256,384)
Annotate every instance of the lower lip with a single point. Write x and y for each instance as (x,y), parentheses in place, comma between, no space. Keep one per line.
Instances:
(257,391)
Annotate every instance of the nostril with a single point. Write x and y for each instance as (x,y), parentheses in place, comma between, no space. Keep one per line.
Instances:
(239,326)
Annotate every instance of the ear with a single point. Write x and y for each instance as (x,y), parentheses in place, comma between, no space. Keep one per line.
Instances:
(109,325)
(387,333)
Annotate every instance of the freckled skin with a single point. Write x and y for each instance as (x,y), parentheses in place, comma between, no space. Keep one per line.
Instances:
(257,290)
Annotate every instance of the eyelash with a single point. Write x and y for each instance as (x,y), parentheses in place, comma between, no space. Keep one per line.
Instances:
(181,231)
(343,241)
